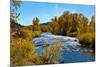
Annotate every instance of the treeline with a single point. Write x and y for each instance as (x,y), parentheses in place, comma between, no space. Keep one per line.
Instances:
(70,24)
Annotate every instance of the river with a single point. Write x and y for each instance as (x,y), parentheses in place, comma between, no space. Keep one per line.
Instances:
(71,52)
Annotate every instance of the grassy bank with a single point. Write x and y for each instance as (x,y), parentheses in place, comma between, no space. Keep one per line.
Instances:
(22,49)
(87,40)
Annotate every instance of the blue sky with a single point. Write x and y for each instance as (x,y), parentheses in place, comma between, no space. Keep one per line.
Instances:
(46,11)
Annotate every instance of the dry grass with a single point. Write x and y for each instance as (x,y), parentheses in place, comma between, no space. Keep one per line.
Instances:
(55,52)
(22,52)
(87,39)
(50,55)
(32,34)
(22,49)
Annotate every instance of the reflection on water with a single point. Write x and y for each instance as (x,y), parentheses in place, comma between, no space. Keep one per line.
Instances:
(70,51)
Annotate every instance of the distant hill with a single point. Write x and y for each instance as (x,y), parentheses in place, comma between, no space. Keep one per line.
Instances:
(45,23)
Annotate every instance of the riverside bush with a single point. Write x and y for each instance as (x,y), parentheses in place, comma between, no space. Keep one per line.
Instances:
(22,52)
(87,39)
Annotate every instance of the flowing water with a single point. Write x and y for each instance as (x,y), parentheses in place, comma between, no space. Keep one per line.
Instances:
(71,52)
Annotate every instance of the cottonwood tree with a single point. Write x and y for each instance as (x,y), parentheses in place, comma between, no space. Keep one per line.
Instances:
(36,26)
(92,24)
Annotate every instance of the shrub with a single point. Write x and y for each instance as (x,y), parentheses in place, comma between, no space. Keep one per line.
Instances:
(74,34)
(22,47)
(36,28)
(45,28)
(22,52)
(31,34)
(87,39)
(19,34)
(36,34)
(27,27)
